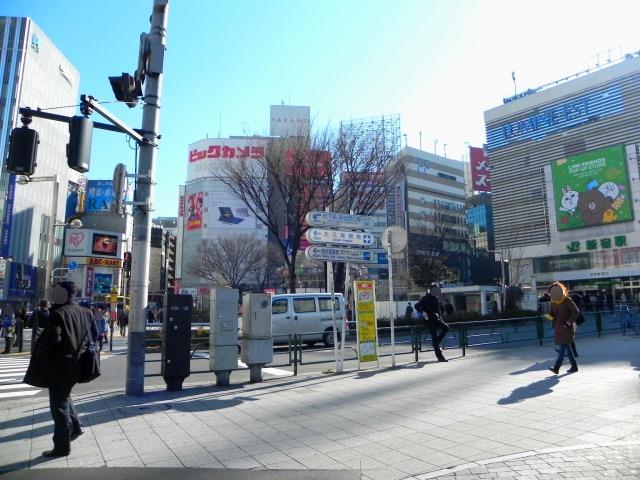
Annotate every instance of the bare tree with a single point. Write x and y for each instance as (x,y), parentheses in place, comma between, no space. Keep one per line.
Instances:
(305,173)
(267,269)
(227,261)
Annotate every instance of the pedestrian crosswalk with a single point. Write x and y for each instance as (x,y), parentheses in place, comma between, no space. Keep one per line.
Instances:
(12,370)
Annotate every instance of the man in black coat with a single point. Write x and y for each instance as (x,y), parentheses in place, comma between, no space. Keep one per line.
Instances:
(429,305)
(68,334)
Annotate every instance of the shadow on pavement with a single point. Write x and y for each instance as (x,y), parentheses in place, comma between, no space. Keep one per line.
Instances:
(533,368)
(535,389)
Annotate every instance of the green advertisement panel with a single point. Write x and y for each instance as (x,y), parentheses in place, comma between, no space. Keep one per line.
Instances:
(592,189)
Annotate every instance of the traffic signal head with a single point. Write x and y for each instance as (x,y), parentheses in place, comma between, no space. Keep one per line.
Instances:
(79,146)
(23,150)
(126,89)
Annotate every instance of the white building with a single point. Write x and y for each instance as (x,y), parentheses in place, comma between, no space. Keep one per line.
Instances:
(34,74)
(565,177)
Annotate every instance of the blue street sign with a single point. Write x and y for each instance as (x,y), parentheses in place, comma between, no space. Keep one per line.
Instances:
(72,266)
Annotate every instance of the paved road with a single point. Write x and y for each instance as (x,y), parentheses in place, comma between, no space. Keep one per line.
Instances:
(468,418)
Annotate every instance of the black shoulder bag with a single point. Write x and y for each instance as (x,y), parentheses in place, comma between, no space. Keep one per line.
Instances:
(89,361)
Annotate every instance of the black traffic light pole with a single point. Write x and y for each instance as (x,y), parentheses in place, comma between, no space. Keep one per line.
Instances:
(27,112)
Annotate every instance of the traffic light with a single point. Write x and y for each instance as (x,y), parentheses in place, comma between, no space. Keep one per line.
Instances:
(79,146)
(23,150)
(126,264)
(126,89)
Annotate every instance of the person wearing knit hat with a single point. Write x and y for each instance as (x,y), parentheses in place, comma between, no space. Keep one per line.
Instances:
(563,314)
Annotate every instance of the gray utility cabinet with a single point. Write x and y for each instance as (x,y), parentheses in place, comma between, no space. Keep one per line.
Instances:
(256,342)
(223,336)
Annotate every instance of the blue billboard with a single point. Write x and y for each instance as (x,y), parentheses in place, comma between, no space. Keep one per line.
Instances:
(100,196)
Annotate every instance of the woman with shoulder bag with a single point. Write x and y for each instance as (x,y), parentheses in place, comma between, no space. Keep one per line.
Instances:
(6,332)
(564,314)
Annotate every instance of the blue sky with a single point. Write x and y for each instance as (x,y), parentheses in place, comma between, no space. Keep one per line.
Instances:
(439,64)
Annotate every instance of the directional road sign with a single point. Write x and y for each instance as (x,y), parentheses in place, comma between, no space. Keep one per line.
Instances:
(340,254)
(72,266)
(340,220)
(340,237)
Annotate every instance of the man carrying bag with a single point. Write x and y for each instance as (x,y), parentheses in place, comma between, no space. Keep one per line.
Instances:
(64,356)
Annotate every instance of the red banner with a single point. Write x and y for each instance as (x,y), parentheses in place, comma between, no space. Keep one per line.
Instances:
(194,218)
(480,171)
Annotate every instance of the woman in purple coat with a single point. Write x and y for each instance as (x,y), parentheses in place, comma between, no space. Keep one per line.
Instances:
(564,314)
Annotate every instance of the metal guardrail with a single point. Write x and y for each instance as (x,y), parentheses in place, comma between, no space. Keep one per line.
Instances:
(463,335)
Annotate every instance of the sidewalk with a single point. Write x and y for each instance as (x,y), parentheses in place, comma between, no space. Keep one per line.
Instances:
(494,415)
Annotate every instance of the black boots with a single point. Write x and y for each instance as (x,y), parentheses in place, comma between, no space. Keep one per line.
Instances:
(573,369)
(555,369)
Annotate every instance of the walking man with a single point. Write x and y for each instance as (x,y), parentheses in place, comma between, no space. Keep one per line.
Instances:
(68,335)
(429,305)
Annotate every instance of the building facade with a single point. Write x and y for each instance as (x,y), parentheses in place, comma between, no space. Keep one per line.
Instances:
(430,203)
(33,73)
(564,171)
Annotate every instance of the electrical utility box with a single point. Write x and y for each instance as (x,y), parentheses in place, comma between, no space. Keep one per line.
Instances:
(176,340)
(257,341)
(223,336)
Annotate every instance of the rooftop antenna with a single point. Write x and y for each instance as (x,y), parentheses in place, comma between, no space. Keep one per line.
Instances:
(405,139)
(220,125)
(435,146)
(445,150)
(420,134)
(513,77)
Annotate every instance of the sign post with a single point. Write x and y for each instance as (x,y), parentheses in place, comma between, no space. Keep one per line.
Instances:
(338,234)
(395,240)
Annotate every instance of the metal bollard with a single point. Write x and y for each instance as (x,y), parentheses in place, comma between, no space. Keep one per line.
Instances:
(540,330)
(599,323)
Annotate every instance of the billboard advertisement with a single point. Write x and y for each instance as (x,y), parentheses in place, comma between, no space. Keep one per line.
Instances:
(102,282)
(290,121)
(208,157)
(99,197)
(92,243)
(592,189)
(194,211)
(226,213)
(480,171)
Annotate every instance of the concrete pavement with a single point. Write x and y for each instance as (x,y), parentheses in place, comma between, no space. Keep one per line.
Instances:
(494,415)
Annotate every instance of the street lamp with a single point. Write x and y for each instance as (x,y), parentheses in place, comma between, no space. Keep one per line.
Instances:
(24,180)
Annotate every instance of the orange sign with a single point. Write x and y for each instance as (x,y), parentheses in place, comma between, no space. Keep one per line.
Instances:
(105,262)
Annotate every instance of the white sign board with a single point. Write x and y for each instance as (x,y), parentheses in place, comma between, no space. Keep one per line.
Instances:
(208,157)
(290,121)
(340,237)
(340,220)
(337,254)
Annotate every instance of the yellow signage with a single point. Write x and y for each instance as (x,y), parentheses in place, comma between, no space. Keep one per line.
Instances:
(366,322)
(114,298)
(105,262)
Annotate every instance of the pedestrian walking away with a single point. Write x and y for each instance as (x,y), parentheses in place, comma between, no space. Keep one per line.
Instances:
(56,363)
(39,321)
(123,321)
(408,313)
(429,307)
(7,331)
(563,314)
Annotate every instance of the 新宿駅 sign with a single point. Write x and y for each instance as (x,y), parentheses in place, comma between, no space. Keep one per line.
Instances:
(340,220)
(339,237)
(337,254)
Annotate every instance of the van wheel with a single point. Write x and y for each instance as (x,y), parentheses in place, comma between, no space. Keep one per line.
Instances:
(327,338)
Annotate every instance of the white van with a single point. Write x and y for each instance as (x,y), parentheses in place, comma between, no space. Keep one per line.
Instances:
(306,314)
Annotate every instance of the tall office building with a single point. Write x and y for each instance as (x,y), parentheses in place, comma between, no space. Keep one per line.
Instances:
(564,170)
(33,73)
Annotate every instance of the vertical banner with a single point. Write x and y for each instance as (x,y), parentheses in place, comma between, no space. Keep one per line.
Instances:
(480,171)
(8,216)
(88,286)
(366,322)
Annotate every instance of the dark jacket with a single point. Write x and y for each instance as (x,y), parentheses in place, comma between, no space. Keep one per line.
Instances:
(564,315)
(40,319)
(430,305)
(66,337)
